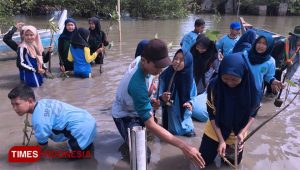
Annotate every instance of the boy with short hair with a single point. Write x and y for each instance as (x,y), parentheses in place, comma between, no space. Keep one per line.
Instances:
(132,106)
(190,38)
(227,42)
(54,119)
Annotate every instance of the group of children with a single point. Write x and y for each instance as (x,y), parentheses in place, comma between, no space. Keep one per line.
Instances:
(232,87)
(77,48)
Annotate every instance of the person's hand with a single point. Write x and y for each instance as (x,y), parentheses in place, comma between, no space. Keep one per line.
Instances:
(50,49)
(100,50)
(166,96)
(19,25)
(62,68)
(41,71)
(277,85)
(188,106)
(155,103)
(240,138)
(222,148)
(220,56)
(194,156)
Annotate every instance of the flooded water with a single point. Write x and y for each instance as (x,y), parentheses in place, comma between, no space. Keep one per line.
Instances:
(275,146)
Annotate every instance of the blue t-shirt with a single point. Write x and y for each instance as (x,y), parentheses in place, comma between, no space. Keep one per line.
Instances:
(188,41)
(58,120)
(132,94)
(226,44)
(262,72)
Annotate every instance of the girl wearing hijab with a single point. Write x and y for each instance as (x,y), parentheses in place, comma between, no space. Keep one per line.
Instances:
(64,45)
(177,117)
(97,39)
(245,42)
(262,64)
(79,53)
(30,59)
(140,47)
(205,61)
(232,101)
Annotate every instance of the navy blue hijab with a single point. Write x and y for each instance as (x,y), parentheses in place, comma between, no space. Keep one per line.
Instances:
(183,80)
(259,58)
(245,42)
(66,34)
(234,106)
(140,47)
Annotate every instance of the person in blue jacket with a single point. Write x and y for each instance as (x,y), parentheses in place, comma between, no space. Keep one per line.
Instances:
(79,53)
(55,120)
(177,117)
(262,64)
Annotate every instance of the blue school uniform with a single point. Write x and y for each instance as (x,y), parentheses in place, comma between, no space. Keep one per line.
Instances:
(188,41)
(60,122)
(183,89)
(28,68)
(226,44)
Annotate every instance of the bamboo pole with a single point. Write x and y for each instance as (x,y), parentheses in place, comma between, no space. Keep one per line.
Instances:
(137,148)
(119,20)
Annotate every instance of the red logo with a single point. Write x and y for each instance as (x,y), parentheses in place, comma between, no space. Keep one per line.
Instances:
(24,154)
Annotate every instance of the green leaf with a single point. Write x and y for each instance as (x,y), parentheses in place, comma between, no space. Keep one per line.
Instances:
(291,83)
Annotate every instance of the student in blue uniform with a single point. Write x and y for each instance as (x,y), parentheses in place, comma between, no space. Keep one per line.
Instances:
(64,45)
(177,117)
(132,106)
(30,59)
(79,53)
(232,102)
(227,42)
(55,120)
(190,38)
(245,42)
(262,64)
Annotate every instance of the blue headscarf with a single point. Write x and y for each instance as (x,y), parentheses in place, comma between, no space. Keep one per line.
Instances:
(140,47)
(66,34)
(183,80)
(259,58)
(234,106)
(245,42)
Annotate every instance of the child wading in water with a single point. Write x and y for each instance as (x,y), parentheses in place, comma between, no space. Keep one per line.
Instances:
(30,59)
(177,117)
(54,119)
(97,39)
(64,45)
(232,101)
(80,55)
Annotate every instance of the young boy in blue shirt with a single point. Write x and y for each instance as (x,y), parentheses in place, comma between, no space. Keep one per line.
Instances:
(54,119)
(132,106)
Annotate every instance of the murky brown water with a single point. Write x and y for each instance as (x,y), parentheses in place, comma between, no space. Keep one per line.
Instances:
(276,146)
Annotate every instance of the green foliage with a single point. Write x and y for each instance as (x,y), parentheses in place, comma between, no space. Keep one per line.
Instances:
(6,13)
(212,34)
(155,8)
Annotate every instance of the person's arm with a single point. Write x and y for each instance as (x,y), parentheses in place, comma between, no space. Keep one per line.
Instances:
(7,38)
(60,51)
(104,39)
(142,106)
(87,53)
(269,77)
(190,152)
(22,52)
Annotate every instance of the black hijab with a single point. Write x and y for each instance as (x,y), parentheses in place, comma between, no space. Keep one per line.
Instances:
(79,38)
(203,61)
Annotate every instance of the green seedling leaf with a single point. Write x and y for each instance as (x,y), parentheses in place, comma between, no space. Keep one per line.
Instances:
(291,83)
